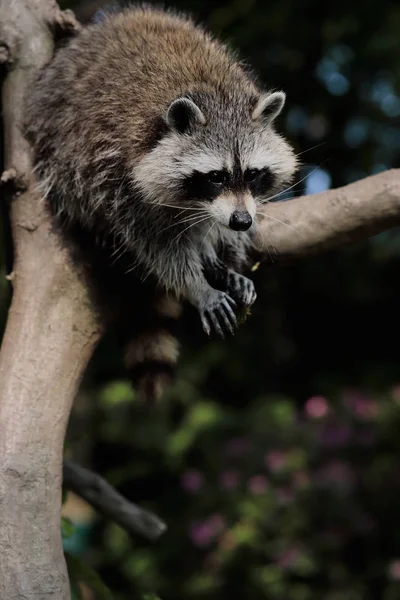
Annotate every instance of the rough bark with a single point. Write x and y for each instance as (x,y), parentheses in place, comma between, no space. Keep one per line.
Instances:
(50,335)
(52,329)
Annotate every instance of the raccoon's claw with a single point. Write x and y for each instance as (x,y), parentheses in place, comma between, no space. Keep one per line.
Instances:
(241,289)
(218,314)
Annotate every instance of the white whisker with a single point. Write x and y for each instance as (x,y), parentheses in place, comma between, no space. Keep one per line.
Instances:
(192,225)
(294,185)
(182,208)
(208,231)
(312,148)
(186,220)
(265,214)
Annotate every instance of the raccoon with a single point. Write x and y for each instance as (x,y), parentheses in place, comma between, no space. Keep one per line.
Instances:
(154,147)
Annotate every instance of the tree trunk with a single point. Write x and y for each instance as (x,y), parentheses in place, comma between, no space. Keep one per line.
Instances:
(50,335)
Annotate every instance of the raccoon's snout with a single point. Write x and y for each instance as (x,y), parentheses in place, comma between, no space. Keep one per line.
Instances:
(240,220)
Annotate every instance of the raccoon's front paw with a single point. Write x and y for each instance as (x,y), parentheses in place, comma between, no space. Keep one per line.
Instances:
(241,289)
(217,312)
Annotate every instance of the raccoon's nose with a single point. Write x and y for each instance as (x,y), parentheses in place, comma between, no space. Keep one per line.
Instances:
(240,220)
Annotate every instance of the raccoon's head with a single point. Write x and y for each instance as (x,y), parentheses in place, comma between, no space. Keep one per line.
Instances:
(222,157)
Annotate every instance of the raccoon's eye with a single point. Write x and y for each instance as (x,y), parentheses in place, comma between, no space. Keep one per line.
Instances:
(216,177)
(251,175)
(262,183)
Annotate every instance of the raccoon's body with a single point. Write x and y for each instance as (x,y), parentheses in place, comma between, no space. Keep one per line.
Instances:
(153,146)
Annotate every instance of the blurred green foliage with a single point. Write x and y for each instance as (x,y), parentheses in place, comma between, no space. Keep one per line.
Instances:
(274,501)
(274,459)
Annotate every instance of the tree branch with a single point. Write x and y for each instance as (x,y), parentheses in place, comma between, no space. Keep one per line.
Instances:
(312,224)
(105,499)
(50,335)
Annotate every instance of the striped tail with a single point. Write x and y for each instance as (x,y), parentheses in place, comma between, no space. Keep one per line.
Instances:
(151,354)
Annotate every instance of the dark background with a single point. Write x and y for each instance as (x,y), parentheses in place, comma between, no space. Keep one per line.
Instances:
(275,458)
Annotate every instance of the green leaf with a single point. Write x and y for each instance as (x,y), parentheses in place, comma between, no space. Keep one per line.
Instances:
(150,597)
(79,572)
(201,417)
(180,441)
(204,415)
(268,575)
(115,393)
(67,528)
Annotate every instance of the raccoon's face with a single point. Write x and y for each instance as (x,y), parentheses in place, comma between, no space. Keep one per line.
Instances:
(224,165)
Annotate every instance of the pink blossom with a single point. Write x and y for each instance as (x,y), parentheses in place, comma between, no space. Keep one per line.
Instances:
(394,570)
(275,460)
(316,407)
(362,407)
(201,534)
(229,480)
(257,485)
(366,410)
(192,481)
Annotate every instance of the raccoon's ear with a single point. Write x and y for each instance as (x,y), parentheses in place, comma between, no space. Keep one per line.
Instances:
(269,106)
(182,113)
